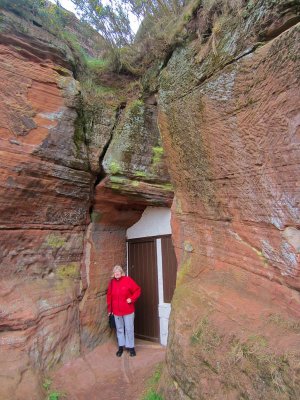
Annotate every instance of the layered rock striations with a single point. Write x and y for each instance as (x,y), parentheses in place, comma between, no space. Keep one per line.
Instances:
(45,197)
(229,115)
(64,215)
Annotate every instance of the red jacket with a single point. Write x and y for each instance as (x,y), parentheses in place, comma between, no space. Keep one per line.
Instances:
(119,290)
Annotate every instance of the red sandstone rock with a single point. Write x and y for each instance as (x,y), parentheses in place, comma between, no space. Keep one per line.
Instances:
(235,314)
(44,200)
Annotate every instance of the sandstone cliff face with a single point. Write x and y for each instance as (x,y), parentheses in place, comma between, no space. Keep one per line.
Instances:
(235,315)
(45,196)
(60,237)
(77,172)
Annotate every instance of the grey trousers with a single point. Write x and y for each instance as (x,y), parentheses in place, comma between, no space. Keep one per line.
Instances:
(125,330)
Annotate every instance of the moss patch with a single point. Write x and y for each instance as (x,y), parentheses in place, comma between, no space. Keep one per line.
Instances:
(183,270)
(158,152)
(135,107)
(167,186)
(114,167)
(135,183)
(70,270)
(141,174)
(117,179)
(55,241)
(79,130)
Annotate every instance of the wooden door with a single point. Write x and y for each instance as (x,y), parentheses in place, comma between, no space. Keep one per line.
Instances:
(142,267)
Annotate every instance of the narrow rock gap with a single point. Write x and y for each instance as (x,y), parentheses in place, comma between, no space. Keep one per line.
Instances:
(101,173)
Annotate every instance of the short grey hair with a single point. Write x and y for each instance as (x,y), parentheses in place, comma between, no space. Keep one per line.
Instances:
(117,268)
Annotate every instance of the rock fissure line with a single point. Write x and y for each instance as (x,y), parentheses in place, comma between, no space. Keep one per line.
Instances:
(118,114)
(62,228)
(49,313)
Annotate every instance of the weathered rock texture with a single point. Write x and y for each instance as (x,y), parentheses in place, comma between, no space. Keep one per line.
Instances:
(235,328)
(45,196)
(58,244)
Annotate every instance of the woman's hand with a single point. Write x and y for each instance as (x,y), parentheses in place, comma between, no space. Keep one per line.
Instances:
(128,300)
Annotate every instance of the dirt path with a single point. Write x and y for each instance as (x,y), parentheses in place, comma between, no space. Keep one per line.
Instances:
(100,375)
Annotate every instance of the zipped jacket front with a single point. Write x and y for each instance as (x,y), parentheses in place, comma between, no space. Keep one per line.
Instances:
(119,290)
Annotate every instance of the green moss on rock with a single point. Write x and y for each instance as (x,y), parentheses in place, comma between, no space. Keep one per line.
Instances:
(70,270)
(183,270)
(55,241)
(141,174)
(114,167)
(158,152)
(136,107)
(135,183)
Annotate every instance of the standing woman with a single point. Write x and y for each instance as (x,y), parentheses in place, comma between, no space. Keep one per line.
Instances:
(122,293)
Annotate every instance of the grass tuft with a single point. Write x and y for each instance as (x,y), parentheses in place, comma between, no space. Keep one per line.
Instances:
(206,336)
(152,395)
(152,384)
(52,394)
(287,324)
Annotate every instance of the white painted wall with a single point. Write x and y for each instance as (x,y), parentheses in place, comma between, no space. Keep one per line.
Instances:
(164,309)
(155,221)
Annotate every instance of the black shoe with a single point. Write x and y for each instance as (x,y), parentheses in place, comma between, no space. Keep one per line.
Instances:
(132,352)
(119,352)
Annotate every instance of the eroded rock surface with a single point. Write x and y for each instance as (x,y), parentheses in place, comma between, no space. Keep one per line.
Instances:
(235,315)
(59,243)
(45,195)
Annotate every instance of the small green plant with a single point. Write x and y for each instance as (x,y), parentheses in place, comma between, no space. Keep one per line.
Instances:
(46,384)
(152,395)
(135,106)
(55,396)
(52,394)
(152,384)
(252,347)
